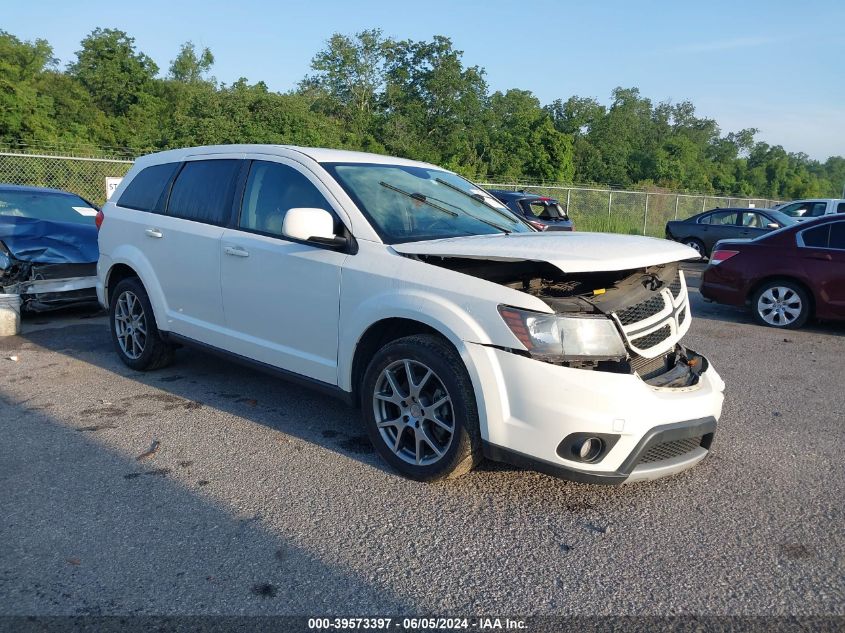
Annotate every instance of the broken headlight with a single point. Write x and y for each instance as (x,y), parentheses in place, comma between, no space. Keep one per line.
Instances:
(552,337)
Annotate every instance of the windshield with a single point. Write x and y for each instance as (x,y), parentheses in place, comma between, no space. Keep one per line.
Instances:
(54,207)
(408,204)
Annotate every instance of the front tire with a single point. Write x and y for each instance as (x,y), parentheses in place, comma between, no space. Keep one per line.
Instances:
(781,304)
(419,409)
(133,328)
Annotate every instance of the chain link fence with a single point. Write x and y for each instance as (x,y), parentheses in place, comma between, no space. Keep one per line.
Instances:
(83,176)
(591,208)
(634,212)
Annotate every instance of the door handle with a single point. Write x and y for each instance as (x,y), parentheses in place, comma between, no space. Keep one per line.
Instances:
(235,251)
(154,233)
(825,257)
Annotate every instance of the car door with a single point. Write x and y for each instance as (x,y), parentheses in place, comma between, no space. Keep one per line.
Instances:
(822,252)
(753,224)
(721,225)
(281,297)
(183,246)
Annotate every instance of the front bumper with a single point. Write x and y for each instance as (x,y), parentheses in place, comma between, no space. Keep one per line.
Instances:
(528,408)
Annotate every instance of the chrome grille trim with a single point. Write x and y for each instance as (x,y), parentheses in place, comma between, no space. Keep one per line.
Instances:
(656,332)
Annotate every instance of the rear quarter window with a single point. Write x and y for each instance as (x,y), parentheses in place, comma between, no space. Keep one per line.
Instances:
(816,237)
(148,190)
(837,235)
(203,191)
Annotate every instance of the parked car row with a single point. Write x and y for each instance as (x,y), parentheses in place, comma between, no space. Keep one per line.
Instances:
(435,306)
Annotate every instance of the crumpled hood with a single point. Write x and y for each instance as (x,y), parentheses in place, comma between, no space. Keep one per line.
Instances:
(570,252)
(44,242)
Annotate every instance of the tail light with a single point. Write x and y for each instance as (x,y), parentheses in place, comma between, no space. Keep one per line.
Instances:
(717,257)
(99,219)
(538,225)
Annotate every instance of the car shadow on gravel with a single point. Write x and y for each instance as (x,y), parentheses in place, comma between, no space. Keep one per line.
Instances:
(81,538)
(200,379)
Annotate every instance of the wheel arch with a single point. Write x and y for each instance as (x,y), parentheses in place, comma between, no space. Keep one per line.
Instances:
(377,336)
(116,274)
(130,262)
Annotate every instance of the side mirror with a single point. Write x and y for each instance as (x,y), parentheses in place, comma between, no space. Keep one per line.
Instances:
(772,225)
(311,225)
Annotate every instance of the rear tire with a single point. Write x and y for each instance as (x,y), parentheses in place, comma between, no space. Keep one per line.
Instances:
(781,304)
(133,328)
(697,244)
(419,409)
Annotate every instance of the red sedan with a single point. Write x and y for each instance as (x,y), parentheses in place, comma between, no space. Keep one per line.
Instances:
(786,276)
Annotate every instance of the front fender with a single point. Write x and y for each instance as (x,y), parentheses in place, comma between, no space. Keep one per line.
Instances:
(450,320)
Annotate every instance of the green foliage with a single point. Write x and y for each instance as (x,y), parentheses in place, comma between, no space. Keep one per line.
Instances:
(189,67)
(409,98)
(110,68)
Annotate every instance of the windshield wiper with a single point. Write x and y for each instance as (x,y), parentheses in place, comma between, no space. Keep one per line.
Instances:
(476,197)
(419,198)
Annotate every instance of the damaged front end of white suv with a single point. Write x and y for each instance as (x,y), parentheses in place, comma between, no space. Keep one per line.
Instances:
(615,397)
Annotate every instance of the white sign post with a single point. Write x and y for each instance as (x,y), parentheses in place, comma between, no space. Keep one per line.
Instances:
(111,185)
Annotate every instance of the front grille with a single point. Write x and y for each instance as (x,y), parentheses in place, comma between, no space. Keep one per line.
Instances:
(675,286)
(655,338)
(642,310)
(648,368)
(682,316)
(668,450)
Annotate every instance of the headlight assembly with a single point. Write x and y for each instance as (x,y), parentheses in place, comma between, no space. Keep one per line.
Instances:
(553,337)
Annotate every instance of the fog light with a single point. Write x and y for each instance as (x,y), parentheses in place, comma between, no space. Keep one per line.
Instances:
(588,449)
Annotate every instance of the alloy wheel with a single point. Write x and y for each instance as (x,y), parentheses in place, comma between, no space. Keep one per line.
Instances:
(779,306)
(130,324)
(414,412)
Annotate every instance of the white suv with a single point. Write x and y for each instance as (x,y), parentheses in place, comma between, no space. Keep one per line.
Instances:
(459,330)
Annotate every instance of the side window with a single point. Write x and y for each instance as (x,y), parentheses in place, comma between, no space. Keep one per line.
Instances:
(753,220)
(837,235)
(705,219)
(816,209)
(271,190)
(816,237)
(723,217)
(840,208)
(148,190)
(203,191)
(791,209)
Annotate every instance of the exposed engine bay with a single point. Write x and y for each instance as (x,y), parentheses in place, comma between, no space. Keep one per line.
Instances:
(648,305)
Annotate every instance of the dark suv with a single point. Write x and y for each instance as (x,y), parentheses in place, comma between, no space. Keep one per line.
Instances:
(545,214)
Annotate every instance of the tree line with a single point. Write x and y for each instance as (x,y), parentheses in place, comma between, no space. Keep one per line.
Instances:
(416,99)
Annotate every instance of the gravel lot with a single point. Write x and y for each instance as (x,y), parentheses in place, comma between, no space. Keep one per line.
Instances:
(260,497)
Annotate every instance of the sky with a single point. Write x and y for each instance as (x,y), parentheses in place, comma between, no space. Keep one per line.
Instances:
(775,65)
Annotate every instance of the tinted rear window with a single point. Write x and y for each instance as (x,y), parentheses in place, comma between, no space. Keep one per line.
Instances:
(816,237)
(148,189)
(203,191)
(837,235)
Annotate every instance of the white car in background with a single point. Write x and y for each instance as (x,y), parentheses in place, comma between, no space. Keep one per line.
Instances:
(812,208)
(402,288)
